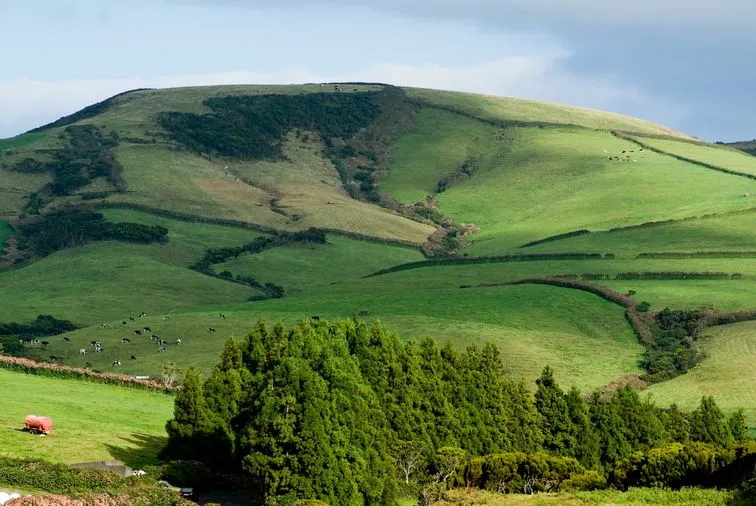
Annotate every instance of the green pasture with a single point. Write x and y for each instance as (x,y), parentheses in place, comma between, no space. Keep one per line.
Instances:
(584,338)
(554,181)
(733,232)
(187,241)
(631,497)
(438,145)
(727,373)
(718,156)
(506,109)
(309,267)
(107,281)
(91,421)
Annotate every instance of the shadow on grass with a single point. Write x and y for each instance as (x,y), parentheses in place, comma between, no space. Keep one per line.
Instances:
(138,450)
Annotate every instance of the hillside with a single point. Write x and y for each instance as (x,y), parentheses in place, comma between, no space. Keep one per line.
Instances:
(198,194)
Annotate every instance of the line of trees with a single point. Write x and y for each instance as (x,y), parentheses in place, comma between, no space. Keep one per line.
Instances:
(349,414)
(74,226)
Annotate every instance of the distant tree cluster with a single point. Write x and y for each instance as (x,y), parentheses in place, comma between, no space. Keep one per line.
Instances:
(348,414)
(86,154)
(72,227)
(253,127)
(44,325)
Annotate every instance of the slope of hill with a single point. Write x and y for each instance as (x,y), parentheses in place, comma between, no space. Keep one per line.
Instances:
(746,146)
(382,171)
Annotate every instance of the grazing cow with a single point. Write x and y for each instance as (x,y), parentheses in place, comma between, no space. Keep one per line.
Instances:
(163,342)
(162,349)
(132,357)
(44,343)
(146,330)
(142,315)
(125,340)
(211,330)
(54,358)
(102,325)
(138,332)
(116,362)
(166,317)
(131,318)
(124,322)
(155,338)
(222,316)
(178,342)
(315,318)
(98,349)
(82,351)
(67,339)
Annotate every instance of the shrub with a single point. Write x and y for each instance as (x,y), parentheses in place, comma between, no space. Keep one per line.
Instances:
(588,480)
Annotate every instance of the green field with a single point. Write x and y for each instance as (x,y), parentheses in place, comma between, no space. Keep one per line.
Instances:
(632,497)
(718,233)
(727,373)
(91,421)
(532,325)
(307,268)
(505,109)
(718,156)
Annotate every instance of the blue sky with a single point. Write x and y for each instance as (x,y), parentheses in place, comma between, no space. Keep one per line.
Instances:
(686,64)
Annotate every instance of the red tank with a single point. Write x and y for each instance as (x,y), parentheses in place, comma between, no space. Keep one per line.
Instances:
(38,423)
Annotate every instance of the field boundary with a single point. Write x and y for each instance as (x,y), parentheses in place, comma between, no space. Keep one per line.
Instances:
(245,224)
(680,157)
(532,257)
(29,366)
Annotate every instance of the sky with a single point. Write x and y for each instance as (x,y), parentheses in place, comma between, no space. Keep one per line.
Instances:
(686,64)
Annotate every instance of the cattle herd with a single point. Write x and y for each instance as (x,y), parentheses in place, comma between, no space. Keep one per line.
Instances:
(96,344)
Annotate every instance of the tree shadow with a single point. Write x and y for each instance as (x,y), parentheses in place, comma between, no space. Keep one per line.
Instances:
(138,450)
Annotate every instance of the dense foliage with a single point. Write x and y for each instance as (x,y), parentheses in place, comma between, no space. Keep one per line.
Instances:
(86,154)
(252,127)
(346,413)
(674,350)
(12,333)
(72,227)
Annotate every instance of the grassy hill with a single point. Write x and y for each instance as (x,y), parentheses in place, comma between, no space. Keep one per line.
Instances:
(388,174)
(91,421)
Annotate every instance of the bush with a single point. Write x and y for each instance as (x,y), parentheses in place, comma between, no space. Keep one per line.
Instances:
(587,481)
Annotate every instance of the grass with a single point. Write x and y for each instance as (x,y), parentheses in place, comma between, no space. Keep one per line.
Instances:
(187,241)
(585,339)
(440,142)
(718,156)
(107,281)
(307,268)
(632,497)
(719,233)
(91,421)
(727,373)
(558,180)
(495,108)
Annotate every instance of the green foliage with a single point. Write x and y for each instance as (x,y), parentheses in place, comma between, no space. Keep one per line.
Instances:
(73,227)
(252,127)
(43,325)
(673,350)
(709,424)
(556,422)
(87,154)
(737,425)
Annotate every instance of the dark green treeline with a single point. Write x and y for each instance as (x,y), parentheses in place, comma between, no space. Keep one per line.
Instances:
(348,414)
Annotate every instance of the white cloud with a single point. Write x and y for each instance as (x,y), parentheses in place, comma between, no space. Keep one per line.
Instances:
(27,104)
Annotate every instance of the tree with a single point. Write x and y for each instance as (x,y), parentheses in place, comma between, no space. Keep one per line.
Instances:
(709,424)
(169,372)
(737,425)
(555,420)
(409,457)
(586,447)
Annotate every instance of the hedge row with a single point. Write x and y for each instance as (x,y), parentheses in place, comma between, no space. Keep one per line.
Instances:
(531,257)
(696,254)
(28,366)
(674,275)
(524,473)
(557,237)
(734,317)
